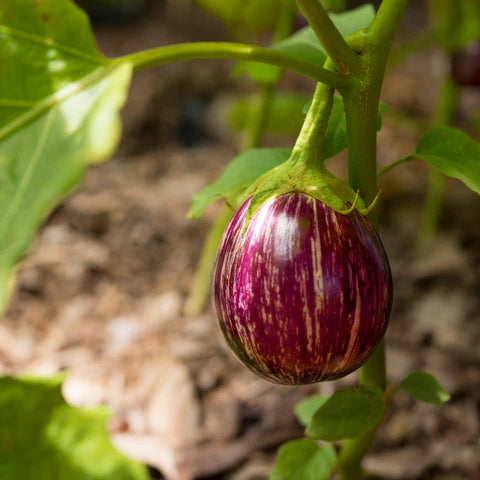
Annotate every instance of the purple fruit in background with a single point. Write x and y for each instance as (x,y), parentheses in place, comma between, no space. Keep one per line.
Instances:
(466,65)
(303,294)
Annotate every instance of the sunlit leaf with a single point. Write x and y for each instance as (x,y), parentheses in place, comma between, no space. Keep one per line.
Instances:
(59,103)
(424,387)
(43,438)
(241,172)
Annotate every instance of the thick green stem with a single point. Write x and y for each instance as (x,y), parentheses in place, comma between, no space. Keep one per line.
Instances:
(232,51)
(331,39)
(361,113)
(361,107)
(385,24)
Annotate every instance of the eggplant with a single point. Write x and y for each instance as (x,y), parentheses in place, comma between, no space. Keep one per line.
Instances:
(302,292)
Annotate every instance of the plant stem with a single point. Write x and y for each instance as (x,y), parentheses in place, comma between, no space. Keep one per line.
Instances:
(333,42)
(232,51)
(389,15)
(308,146)
(361,107)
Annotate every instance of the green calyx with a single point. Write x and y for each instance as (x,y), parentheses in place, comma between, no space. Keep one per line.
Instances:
(297,175)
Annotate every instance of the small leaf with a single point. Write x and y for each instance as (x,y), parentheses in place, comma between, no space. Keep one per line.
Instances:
(424,387)
(305,45)
(42,437)
(452,152)
(305,409)
(336,133)
(347,414)
(304,460)
(241,172)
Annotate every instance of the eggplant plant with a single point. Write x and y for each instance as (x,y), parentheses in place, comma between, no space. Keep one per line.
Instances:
(302,286)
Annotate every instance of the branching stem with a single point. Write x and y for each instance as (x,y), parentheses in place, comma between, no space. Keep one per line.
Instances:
(331,39)
(233,51)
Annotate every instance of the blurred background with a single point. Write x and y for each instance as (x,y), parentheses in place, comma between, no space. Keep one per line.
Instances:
(103,293)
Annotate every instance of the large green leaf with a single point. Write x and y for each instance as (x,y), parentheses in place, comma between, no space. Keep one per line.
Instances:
(43,438)
(305,45)
(347,414)
(59,103)
(304,460)
(424,387)
(241,172)
(44,46)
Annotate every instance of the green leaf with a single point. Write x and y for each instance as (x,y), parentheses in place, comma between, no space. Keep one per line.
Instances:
(61,116)
(424,387)
(305,45)
(285,112)
(241,172)
(304,460)
(347,414)
(38,53)
(254,16)
(306,408)
(43,438)
(452,152)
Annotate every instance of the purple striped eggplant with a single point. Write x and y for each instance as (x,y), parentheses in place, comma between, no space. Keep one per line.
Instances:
(302,292)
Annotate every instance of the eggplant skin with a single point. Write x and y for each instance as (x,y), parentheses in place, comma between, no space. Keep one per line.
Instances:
(303,293)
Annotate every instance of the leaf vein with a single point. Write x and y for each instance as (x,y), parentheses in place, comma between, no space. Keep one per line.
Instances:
(48,42)
(27,178)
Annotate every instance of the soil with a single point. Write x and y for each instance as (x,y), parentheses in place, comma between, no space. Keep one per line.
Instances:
(103,290)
